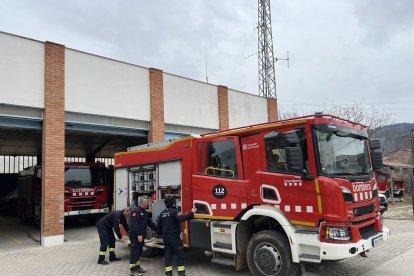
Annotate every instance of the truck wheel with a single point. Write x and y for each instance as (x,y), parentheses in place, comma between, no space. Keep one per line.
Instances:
(268,254)
(148,252)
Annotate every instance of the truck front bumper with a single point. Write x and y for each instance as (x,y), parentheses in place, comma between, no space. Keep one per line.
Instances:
(334,251)
(87,212)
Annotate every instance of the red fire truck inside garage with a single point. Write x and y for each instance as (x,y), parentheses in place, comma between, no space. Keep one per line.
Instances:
(86,193)
(269,196)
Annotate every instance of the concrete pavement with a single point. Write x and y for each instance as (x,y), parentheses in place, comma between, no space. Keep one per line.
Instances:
(401,265)
(79,253)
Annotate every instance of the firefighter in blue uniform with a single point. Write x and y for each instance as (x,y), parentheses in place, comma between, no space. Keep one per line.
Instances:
(139,222)
(106,234)
(168,223)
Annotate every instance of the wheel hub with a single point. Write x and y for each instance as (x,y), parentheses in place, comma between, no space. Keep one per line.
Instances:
(267,259)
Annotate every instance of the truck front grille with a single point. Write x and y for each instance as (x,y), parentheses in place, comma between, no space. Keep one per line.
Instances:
(79,208)
(83,199)
(368,231)
(363,210)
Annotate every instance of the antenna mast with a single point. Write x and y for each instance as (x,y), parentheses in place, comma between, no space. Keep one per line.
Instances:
(267,79)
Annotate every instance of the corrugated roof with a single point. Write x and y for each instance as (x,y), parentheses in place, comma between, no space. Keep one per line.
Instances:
(400,158)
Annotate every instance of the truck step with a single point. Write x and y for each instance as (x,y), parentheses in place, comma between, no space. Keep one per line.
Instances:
(221,225)
(309,257)
(223,245)
(223,261)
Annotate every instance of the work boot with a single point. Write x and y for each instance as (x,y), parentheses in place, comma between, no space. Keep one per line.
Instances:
(114,258)
(181,273)
(134,273)
(103,262)
(169,273)
(140,269)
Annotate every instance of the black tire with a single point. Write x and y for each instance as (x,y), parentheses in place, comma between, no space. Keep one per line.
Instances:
(268,254)
(149,252)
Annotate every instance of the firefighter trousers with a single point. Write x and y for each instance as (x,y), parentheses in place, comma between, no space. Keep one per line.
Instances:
(106,237)
(135,251)
(173,245)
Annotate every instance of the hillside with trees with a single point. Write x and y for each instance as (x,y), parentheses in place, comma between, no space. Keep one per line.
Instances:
(395,136)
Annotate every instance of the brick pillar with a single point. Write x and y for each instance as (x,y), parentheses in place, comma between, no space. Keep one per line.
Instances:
(272,109)
(156,131)
(53,148)
(223,107)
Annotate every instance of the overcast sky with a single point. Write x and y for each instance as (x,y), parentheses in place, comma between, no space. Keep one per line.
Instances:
(341,51)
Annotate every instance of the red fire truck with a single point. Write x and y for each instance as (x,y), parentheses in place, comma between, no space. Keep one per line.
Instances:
(86,195)
(269,196)
(384,184)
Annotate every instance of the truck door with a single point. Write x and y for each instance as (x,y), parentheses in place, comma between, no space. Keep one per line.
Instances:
(121,188)
(218,185)
(287,189)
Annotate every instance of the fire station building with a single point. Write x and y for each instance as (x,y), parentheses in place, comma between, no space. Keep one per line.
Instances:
(57,102)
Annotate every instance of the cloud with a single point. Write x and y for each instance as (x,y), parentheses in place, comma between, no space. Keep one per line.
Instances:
(382,19)
(341,51)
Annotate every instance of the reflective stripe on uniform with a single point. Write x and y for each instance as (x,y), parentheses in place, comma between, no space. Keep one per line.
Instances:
(132,265)
(111,249)
(138,263)
(168,268)
(102,253)
(181,268)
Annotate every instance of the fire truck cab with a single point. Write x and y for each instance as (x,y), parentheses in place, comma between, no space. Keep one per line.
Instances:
(86,192)
(269,196)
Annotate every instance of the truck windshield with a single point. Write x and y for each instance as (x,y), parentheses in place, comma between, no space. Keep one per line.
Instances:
(85,176)
(342,154)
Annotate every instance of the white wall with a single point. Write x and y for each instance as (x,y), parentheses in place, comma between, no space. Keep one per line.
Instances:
(101,86)
(246,109)
(22,70)
(189,102)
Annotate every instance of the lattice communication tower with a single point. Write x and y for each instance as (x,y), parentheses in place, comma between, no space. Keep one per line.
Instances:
(267,79)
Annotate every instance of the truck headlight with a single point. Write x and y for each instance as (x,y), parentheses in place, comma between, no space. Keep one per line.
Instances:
(337,233)
(346,193)
(104,205)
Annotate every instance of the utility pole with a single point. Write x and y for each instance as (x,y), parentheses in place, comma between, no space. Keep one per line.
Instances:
(392,184)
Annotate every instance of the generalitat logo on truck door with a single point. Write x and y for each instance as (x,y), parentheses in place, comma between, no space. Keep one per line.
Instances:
(250,146)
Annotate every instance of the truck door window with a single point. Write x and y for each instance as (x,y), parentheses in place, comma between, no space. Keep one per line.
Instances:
(217,158)
(276,153)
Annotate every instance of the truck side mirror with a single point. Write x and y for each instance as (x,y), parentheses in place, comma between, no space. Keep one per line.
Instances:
(376,160)
(294,159)
(374,144)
